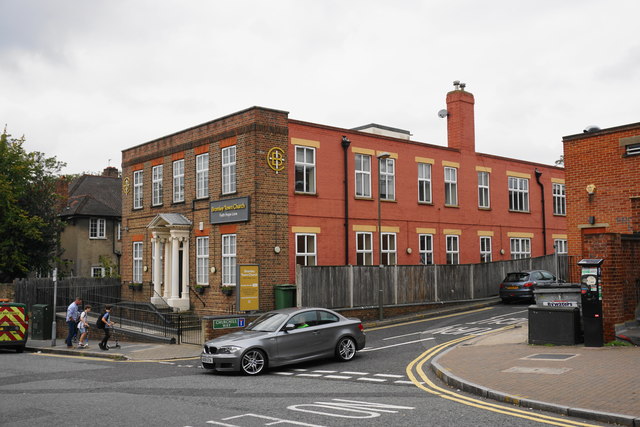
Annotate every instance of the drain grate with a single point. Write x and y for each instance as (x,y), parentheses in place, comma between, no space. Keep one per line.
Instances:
(550,356)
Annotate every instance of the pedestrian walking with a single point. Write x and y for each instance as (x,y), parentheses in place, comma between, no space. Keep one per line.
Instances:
(73,314)
(83,327)
(108,327)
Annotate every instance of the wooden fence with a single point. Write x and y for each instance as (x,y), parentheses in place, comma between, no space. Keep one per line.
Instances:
(360,286)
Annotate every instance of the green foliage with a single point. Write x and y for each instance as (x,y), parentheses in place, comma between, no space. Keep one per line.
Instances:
(29,225)
(110,267)
(618,343)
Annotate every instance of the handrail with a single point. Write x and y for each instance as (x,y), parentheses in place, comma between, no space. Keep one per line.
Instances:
(197,296)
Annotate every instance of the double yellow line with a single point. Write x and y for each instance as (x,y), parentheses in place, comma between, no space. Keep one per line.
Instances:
(416,373)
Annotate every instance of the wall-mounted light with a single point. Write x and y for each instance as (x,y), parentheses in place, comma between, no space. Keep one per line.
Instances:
(213,269)
(145,268)
(277,249)
(591,189)
(409,250)
(501,251)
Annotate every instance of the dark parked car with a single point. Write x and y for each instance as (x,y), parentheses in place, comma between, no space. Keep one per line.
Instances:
(519,286)
(281,337)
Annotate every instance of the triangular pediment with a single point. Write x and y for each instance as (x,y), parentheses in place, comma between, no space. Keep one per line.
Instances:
(169,220)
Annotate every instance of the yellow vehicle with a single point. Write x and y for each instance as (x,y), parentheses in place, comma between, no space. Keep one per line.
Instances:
(14,325)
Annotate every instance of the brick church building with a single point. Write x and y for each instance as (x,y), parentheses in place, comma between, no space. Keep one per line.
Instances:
(256,187)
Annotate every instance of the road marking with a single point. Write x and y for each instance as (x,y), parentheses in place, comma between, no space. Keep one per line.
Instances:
(388,375)
(283,373)
(354,373)
(300,370)
(395,345)
(338,377)
(374,380)
(308,375)
(429,319)
(427,385)
(326,372)
(406,382)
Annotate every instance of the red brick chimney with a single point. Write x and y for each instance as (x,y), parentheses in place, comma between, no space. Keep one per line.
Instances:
(460,122)
(110,171)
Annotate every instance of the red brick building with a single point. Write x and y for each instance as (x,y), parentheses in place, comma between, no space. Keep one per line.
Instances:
(603,217)
(256,187)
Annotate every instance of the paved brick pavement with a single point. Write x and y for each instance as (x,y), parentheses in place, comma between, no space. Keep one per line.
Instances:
(602,381)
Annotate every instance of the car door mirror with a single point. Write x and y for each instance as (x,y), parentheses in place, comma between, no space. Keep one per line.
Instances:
(289,326)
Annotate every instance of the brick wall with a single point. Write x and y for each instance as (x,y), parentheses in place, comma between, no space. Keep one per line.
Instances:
(599,160)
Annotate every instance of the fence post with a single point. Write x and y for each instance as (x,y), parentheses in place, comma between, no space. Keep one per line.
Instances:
(472,286)
(435,281)
(350,284)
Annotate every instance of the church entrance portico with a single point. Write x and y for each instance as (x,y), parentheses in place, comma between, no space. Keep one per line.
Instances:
(170,245)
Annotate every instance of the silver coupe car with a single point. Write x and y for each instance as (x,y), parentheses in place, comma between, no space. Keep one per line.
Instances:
(285,336)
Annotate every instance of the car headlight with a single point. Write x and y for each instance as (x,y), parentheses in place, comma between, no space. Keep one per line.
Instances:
(228,349)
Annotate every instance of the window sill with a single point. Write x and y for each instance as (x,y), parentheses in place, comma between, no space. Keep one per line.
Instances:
(364,198)
(177,203)
(97,238)
(156,206)
(452,206)
(562,215)
(388,200)
(519,212)
(484,209)
(425,203)
(299,193)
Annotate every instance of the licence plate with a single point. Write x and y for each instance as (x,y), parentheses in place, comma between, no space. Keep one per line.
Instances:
(206,359)
(512,287)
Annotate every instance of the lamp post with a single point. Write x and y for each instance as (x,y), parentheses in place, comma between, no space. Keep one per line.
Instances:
(380,157)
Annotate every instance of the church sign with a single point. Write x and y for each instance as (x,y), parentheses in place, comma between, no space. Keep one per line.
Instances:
(229,210)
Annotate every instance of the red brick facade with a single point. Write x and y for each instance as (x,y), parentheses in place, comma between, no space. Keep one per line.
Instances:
(603,211)
(281,212)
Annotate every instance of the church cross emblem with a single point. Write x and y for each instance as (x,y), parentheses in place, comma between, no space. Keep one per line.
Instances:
(275,159)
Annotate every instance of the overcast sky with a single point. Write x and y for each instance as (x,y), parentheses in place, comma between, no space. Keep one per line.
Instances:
(83,80)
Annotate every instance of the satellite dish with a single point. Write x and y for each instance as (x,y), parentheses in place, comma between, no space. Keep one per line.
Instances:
(443,113)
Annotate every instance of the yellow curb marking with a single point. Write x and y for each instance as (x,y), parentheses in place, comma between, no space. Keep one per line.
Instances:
(430,387)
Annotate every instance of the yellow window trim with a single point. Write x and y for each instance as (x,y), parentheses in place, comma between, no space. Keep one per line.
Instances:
(483,169)
(313,230)
(387,229)
(367,151)
(557,180)
(485,233)
(452,231)
(424,160)
(450,164)
(369,228)
(519,174)
(521,235)
(558,236)
(426,230)
(305,142)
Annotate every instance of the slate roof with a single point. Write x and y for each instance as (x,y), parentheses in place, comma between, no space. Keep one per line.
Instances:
(169,219)
(93,195)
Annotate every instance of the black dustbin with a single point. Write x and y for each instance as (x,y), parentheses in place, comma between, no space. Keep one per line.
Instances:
(41,319)
(285,296)
(554,325)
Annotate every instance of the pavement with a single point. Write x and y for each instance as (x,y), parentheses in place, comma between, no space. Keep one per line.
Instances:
(599,384)
(594,383)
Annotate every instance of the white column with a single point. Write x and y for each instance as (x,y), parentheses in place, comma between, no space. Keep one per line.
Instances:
(157,270)
(167,268)
(175,267)
(185,269)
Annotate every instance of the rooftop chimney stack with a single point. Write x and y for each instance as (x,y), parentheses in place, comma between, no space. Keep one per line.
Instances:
(110,171)
(460,121)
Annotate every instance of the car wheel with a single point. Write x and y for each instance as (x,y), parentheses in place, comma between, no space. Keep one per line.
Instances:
(345,349)
(505,300)
(253,362)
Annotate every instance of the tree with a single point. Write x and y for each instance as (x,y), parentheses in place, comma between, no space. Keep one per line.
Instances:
(29,224)
(560,161)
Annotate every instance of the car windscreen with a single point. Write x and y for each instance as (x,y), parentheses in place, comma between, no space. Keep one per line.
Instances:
(516,277)
(268,322)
